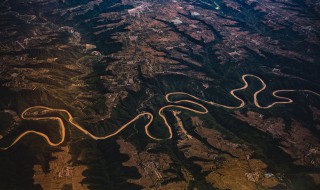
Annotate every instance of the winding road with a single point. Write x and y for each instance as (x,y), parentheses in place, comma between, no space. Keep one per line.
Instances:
(26,113)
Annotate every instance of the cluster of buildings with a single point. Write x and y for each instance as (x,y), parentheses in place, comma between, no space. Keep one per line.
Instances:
(150,169)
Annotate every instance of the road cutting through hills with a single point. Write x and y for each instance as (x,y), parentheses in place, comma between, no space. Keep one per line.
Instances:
(26,113)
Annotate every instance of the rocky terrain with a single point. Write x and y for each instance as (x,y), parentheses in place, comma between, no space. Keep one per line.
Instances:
(105,61)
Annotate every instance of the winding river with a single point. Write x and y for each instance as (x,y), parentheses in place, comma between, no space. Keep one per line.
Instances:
(174,104)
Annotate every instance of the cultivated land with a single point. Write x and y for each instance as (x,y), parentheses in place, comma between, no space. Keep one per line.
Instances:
(159,94)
